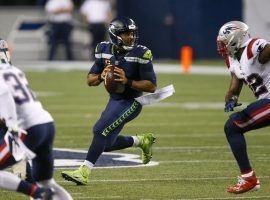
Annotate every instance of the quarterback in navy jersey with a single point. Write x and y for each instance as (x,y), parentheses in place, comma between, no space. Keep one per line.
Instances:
(135,72)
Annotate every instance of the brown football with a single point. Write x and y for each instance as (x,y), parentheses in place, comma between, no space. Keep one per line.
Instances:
(110,84)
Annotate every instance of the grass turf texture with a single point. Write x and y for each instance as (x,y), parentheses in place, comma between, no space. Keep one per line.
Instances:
(195,159)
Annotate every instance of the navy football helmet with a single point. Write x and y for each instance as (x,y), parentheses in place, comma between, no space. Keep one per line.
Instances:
(122,25)
(4,52)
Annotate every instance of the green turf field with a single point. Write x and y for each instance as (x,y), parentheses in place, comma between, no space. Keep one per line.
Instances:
(195,161)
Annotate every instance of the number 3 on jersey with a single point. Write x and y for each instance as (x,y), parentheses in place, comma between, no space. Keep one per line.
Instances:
(22,92)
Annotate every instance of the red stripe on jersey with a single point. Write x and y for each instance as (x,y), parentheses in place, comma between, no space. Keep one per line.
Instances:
(249,48)
(2,146)
(227,61)
(22,137)
(5,158)
(33,190)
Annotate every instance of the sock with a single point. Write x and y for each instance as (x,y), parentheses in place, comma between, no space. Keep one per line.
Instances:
(29,189)
(136,141)
(88,164)
(246,174)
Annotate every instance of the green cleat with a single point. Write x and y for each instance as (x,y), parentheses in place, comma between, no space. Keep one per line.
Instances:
(146,142)
(79,176)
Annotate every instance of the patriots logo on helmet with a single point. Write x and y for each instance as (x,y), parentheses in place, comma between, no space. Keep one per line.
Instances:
(229,29)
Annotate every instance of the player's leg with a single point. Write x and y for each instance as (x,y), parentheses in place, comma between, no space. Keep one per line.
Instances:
(144,141)
(255,116)
(12,182)
(40,140)
(111,121)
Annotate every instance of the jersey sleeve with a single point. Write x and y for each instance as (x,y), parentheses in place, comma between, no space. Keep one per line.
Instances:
(255,47)
(147,69)
(97,67)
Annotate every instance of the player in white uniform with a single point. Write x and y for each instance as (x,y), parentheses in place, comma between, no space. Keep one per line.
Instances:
(35,120)
(248,61)
(8,119)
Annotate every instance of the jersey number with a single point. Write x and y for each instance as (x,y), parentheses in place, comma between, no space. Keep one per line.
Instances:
(21,88)
(255,82)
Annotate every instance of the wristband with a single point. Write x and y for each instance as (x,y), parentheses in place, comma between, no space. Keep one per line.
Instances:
(129,82)
(99,78)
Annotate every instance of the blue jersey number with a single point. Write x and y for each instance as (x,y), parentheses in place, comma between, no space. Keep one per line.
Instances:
(23,93)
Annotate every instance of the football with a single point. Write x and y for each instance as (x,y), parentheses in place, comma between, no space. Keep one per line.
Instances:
(110,84)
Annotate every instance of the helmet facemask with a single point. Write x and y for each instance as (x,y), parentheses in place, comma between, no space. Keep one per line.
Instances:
(4,52)
(232,36)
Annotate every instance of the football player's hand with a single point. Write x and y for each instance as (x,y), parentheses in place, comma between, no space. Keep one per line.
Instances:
(121,75)
(229,105)
(104,72)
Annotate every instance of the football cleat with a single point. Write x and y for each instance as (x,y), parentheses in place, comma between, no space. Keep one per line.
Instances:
(245,184)
(79,176)
(146,142)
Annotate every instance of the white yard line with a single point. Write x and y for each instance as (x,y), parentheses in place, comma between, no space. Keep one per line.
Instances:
(224,198)
(158,179)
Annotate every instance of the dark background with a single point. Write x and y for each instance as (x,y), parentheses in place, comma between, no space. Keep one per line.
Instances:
(167,25)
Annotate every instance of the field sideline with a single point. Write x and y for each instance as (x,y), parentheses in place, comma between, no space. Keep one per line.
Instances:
(195,162)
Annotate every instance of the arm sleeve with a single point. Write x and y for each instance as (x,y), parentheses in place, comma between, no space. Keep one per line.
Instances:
(147,73)
(254,48)
(98,66)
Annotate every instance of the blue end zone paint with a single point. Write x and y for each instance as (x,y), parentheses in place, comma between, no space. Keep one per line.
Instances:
(70,158)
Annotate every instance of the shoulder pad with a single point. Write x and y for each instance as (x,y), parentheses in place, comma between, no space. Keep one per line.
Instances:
(101,47)
(255,46)
(144,52)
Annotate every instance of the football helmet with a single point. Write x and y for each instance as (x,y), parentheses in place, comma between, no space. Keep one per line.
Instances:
(4,52)
(231,37)
(122,25)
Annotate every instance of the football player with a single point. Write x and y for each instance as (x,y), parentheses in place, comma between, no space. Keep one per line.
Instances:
(248,61)
(35,120)
(9,181)
(136,74)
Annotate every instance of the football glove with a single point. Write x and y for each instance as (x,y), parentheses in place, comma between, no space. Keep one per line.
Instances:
(229,105)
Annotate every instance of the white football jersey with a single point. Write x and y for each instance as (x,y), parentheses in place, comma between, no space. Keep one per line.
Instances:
(29,110)
(7,105)
(249,69)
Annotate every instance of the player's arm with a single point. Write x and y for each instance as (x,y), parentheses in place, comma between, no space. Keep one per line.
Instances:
(95,79)
(235,88)
(141,85)
(264,55)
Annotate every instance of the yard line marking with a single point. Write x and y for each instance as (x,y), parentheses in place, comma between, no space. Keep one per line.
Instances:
(208,147)
(207,161)
(192,105)
(160,179)
(146,124)
(224,198)
(102,197)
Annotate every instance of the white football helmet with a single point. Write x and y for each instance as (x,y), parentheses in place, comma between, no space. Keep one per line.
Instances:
(231,37)
(4,52)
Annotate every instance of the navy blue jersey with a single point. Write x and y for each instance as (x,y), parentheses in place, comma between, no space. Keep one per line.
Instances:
(136,63)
